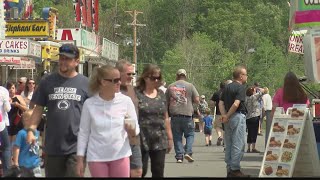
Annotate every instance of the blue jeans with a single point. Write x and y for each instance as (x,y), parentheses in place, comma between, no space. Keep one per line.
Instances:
(182,126)
(234,139)
(6,150)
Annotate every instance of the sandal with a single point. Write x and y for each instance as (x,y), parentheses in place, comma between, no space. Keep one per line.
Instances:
(255,151)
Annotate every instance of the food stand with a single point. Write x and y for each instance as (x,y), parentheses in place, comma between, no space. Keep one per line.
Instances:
(15,51)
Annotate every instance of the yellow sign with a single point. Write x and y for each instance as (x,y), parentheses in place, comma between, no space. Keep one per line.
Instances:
(16,28)
(50,50)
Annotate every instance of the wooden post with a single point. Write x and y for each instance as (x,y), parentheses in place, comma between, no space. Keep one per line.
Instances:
(134,25)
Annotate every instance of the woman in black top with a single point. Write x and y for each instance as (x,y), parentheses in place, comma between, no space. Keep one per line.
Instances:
(155,129)
(18,105)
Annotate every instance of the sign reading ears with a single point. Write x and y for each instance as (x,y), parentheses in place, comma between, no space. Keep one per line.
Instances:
(311,44)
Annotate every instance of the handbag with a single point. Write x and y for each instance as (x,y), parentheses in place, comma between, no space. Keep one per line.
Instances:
(17,119)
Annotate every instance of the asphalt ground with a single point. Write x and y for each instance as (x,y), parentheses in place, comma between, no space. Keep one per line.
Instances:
(209,161)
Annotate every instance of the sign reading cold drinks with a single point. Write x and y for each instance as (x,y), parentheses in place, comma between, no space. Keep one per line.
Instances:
(20,48)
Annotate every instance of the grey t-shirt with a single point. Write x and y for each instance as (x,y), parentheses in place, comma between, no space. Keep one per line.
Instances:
(64,98)
(180,95)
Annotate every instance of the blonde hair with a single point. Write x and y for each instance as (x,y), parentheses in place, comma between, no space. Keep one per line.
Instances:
(208,111)
(99,73)
(121,64)
(27,114)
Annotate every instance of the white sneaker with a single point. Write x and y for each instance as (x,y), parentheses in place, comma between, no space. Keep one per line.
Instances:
(179,161)
(189,158)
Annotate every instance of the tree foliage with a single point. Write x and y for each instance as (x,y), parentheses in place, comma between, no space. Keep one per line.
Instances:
(206,37)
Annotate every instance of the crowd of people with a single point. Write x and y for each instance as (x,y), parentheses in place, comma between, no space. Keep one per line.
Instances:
(115,128)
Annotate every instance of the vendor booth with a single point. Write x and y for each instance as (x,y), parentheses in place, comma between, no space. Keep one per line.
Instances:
(18,54)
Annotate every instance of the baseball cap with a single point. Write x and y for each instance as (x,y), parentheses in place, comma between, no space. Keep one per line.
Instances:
(202,96)
(69,50)
(181,71)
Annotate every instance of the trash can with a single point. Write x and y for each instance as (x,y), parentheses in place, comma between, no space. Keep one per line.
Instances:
(316,126)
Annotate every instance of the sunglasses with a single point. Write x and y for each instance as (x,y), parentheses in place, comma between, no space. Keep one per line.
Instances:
(20,82)
(131,74)
(152,78)
(114,81)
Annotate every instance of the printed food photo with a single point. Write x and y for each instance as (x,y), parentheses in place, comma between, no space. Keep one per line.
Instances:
(292,130)
(286,156)
(278,128)
(288,144)
(274,143)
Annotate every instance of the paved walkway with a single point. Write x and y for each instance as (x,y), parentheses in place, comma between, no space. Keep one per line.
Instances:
(209,161)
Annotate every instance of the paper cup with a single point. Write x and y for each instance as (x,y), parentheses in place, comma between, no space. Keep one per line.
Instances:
(130,122)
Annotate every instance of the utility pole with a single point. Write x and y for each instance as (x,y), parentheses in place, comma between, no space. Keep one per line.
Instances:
(134,24)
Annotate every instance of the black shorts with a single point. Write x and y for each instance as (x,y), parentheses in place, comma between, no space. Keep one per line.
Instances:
(136,157)
(207,131)
(14,129)
(41,125)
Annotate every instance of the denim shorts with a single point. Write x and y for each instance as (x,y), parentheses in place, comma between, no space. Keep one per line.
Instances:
(136,157)
(207,131)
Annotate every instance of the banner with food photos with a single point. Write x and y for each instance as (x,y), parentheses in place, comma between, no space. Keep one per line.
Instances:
(284,142)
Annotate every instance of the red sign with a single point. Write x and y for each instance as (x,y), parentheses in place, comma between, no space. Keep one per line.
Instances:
(96,15)
(89,13)
(10,60)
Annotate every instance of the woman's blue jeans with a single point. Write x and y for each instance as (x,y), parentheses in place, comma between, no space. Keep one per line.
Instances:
(6,150)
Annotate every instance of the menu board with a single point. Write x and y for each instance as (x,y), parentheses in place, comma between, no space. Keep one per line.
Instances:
(283,143)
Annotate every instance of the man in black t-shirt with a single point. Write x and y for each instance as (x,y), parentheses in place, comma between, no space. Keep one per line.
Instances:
(63,93)
(233,115)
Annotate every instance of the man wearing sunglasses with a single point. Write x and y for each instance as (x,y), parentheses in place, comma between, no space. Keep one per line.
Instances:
(63,93)
(180,97)
(233,115)
(21,85)
(126,75)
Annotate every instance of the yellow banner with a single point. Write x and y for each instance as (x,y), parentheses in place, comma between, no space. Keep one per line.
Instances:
(27,29)
(50,52)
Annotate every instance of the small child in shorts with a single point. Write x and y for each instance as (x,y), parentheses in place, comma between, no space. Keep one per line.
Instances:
(24,154)
(207,126)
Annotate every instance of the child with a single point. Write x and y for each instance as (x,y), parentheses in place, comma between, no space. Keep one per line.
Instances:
(207,126)
(24,154)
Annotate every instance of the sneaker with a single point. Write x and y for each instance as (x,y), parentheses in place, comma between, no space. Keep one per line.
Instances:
(188,158)
(179,161)
(255,151)
(219,141)
(236,173)
(248,151)
(210,143)
(207,144)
